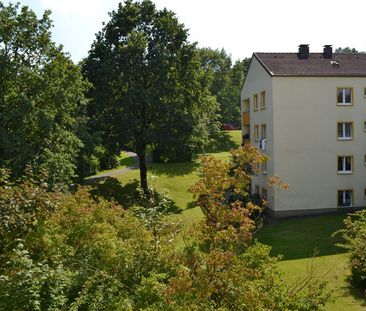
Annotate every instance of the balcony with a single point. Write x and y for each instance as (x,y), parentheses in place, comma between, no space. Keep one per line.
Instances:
(246,118)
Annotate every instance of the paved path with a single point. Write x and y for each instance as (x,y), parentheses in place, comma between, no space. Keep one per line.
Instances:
(117,172)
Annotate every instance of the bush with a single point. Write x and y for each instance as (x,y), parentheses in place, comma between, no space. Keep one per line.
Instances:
(70,252)
(354,236)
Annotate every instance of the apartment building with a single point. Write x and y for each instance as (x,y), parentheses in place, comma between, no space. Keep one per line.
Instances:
(307,112)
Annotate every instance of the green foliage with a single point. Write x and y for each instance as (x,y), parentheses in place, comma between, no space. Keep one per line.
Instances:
(225,81)
(23,205)
(222,269)
(354,236)
(346,50)
(147,86)
(78,253)
(40,93)
(29,285)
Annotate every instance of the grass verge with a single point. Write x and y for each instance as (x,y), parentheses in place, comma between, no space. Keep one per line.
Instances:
(308,247)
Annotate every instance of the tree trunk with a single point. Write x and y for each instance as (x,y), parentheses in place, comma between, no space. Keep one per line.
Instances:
(143,172)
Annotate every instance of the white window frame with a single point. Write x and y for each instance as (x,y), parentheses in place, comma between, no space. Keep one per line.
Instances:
(344,164)
(343,169)
(263,100)
(255,102)
(344,137)
(343,102)
(344,198)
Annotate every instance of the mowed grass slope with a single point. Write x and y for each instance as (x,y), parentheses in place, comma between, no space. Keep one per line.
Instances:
(307,246)
(174,178)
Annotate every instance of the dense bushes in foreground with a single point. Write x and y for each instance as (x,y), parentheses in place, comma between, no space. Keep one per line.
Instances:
(70,252)
(354,236)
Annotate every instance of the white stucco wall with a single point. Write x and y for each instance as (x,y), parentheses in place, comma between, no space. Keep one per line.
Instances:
(257,81)
(305,148)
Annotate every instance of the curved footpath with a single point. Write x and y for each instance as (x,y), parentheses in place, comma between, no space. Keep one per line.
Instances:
(117,172)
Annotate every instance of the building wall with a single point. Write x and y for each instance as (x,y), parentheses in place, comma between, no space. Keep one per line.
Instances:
(257,81)
(305,144)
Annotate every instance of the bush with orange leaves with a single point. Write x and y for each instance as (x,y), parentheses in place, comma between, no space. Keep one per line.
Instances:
(222,267)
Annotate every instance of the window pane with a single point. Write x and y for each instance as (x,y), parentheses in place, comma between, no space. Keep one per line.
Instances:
(348,130)
(348,93)
(340,95)
(348,198)
(340,130)
(340,198)
(340,163)
(348,164)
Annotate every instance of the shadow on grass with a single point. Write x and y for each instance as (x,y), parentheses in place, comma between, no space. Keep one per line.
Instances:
(356,293)
(223,142)
(303,237)
(173,169)
(111,189)
(191,204)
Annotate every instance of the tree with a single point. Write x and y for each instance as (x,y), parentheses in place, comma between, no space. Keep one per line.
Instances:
(221,268)
(146,87)
(40,92)
(225,81)
(346,50)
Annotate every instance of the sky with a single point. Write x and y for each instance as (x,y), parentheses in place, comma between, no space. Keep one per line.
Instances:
(241,27)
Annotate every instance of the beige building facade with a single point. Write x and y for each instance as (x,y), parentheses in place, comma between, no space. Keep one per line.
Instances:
(307,112)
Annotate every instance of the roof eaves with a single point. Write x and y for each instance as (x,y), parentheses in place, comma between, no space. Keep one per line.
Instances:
(318,75)
(263,64)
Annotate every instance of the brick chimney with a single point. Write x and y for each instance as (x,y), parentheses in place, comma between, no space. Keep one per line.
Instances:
(328,51)
(303,51)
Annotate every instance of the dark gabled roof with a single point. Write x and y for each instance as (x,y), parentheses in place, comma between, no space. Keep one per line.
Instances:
(288,64)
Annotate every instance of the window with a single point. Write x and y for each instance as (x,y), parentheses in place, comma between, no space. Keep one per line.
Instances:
(263,131)
(263,100)
(255,102)
(364,194)
(246,104)
(256,132)
(256,189)
(345,164)
(364,92)
(264,193)
(364,126)
(345,130)
(364,160)
(345,198)
(344,96)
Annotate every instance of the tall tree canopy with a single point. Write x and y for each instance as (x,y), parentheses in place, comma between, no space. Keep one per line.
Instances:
(148,85)
(225,81)
(40,89)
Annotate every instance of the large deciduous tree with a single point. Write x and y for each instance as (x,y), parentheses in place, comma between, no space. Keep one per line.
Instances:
(148,85)
(225,81)
(40,89)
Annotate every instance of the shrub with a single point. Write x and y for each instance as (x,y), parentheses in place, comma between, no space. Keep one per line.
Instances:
(354,235)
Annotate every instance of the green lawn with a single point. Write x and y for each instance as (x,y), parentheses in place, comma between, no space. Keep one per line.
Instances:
(174,178)
(306,245)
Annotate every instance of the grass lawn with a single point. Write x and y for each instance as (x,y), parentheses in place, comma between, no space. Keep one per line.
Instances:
(307,245)
(175,178)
